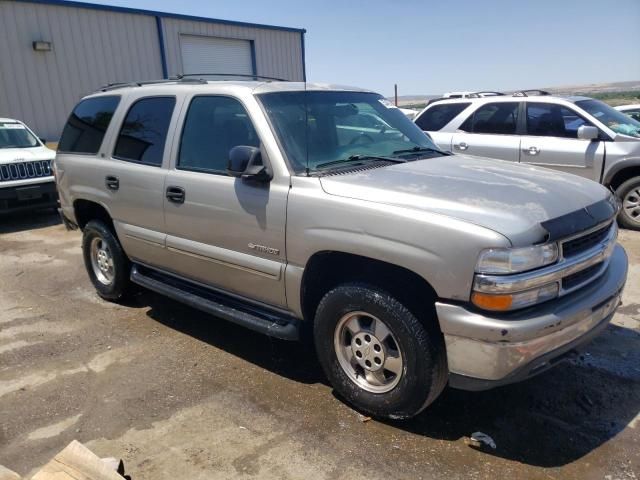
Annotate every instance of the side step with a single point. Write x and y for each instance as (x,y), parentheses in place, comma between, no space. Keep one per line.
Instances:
(263,320)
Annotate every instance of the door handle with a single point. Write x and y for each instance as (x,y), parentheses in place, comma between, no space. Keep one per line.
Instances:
(461,146)
(175,194)
(112,182)
(532,150)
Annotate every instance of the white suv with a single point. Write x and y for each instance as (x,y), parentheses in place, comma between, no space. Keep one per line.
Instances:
(578,135)
(26,177)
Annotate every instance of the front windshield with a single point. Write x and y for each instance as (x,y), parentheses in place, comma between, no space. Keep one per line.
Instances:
(327,129)
(612,118)
(16,135)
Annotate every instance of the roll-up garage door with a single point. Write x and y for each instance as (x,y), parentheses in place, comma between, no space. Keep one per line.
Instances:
(202,54)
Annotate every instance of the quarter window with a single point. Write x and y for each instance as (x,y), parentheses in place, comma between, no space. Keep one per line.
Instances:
(144,131)
(87,125)
(551,120)
(496,118)
(213,126)
(438,116)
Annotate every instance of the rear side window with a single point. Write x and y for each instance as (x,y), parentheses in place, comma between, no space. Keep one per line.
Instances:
(551,120)
(439,115)
(144,131)
(497,118)
(87,125)
(213,126)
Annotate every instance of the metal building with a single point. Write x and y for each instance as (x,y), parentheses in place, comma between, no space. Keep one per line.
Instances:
(52,52)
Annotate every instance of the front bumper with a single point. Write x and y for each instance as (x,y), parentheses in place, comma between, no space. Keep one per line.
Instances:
(29,196)
(488,351)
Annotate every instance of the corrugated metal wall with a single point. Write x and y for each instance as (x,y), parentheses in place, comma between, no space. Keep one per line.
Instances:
(90,48)
(278,52)
(93,47)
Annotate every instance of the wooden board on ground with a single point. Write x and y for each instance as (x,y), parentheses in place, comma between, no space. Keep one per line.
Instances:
(76,462)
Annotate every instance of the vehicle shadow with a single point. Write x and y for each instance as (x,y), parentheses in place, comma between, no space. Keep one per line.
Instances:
(28,220)
(548,421)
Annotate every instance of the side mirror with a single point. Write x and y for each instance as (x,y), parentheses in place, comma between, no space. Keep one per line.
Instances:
(587,132)
(43,140)
(246,162)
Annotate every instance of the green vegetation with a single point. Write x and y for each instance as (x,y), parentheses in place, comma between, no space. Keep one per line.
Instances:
(617,98)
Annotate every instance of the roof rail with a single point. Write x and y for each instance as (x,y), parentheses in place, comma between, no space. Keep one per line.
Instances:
(485,94)
(117,85)
(526,93)
(241,75)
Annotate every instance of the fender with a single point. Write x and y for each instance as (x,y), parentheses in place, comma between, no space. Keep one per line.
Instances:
(618,167)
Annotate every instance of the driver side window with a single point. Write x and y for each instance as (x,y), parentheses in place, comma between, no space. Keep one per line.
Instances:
(212,127)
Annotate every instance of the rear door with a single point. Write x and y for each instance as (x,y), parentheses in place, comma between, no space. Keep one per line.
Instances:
(490,131)
(551,140)
(134,176)
(434,119)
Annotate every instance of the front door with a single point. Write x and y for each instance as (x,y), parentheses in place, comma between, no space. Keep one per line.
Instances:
(551,140)
(224,231)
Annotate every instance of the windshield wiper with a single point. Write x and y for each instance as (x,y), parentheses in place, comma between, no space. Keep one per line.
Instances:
(355,158)
(418,149)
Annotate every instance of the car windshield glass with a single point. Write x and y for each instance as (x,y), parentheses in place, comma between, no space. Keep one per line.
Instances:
(612,118)
(15,135)
(329,129)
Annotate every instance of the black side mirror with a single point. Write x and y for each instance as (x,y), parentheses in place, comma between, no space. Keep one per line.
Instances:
(246,162)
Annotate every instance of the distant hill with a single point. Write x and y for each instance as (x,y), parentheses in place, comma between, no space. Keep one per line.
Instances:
(601,90)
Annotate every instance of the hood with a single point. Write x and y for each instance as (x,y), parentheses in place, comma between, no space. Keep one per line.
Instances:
(511,199)
(10,155)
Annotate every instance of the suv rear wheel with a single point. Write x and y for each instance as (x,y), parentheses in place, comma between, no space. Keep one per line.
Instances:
(629,195)
(106,263)
(377,354)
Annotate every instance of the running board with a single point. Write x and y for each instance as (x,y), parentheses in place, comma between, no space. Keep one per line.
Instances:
(261,320)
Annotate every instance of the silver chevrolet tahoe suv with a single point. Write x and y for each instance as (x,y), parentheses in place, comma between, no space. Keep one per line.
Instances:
(300,209)
(578,135)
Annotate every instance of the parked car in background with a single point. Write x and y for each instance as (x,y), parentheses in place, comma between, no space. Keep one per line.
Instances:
(297,207)
(26,177)
(632,110)
(577,135)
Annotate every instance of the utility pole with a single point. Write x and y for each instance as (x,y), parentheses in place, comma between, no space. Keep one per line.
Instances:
(395,87)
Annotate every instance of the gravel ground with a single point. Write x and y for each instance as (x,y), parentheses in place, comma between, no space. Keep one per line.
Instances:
(177,394)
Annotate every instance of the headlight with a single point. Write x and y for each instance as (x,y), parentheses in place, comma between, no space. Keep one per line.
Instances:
(514,301)
(514,260)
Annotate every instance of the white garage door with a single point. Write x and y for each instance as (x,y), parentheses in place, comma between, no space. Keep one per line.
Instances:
(202,54)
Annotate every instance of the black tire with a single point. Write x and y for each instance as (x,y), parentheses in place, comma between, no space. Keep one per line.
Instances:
(424,368)
(120,286)
(630,188)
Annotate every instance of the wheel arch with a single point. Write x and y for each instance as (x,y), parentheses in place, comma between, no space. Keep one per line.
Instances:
(87,210)
(623,172)
(329,268)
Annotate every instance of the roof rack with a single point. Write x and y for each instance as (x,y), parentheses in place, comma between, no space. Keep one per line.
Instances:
(241,75)
(117,85)
(185,78)
(526,93)
(485,94)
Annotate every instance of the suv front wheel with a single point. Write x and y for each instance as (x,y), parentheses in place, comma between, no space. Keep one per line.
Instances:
(106,263)
(377,354)
(629,195)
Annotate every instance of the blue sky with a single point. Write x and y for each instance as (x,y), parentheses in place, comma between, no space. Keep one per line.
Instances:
(434,46)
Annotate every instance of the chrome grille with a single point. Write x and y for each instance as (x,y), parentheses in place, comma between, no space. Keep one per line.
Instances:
(583,243)
(24,170)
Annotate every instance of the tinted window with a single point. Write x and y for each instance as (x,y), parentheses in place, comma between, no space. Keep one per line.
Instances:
(144,131)
(549,120)
(214,125)
(87,125)
(497,118)
(439,115)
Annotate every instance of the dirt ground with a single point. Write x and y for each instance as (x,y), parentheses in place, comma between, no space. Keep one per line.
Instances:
(178,394)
